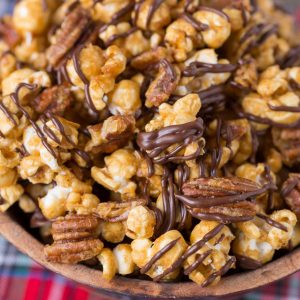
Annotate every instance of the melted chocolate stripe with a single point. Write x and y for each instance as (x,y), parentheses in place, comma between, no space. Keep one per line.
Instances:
(81,75)
(272,222)
(248,263)
(220,273)
(15,98)
(196,24)
(198,68)
(203,202)
(194,248)
(8,114)
(158,255)
(288,188)
(197,262)
(153,7)
(220,218)
(114,37)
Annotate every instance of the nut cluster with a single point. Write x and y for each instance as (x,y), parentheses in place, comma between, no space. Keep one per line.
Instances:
(153,137)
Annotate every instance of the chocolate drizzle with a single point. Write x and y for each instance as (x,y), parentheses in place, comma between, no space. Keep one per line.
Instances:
(114,37)
(272,222)
(158,255)
(221,272)
(76,62)
(248,263)
(198,68)
(285,191)
(208,201)
(196,24)
(199,260)
(15,98)
(291,59)
(156,142)
(190,251)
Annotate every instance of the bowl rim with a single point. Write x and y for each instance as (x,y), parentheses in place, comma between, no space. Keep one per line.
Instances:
(234,284)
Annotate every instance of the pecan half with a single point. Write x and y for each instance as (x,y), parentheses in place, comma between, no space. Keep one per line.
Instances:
(221,199)
(288,143)
(115,133)
(291,193)
(227,213)
(75,239)
(163,85)
(65,38)
(55,100)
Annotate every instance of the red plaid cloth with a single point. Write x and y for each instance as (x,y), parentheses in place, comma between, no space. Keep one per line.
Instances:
(23,279)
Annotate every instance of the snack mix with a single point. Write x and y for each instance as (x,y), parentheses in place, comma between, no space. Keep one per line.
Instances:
(153,138)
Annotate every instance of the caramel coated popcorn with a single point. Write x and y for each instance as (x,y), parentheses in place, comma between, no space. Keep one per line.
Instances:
(160,137)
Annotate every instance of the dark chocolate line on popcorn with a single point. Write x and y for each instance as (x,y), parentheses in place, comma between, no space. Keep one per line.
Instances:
(158,141)
(213,10)
(195,23)
(247,263)
(198,68)
(190,251)
(15,98)
(220,272)
(158,255)
(291,59)
(272,222)
(114,37)
(76,62)
(197,262)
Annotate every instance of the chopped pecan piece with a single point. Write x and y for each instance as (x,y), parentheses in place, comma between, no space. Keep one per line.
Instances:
(291,193)
(9,34)
(75,239)
(55,100)
(65,38)
(114,133)
(150,58)
(288,143)
(163,85)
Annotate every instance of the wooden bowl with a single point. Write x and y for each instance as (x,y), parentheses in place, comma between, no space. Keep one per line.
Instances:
(233,284)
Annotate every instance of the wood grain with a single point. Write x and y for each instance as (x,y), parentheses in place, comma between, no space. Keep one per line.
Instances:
(238,283)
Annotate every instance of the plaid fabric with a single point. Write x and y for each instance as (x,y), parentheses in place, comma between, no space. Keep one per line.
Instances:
(23,279)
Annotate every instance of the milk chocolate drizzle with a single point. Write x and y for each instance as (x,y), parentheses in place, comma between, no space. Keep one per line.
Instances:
(195,23)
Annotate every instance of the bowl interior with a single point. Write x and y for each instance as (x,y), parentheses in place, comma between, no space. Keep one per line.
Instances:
(229,285)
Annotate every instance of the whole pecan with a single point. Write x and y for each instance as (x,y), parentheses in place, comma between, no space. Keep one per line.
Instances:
(288,143)
(291,192)
(75,239)
(222,199)
(55,100)
(71,29)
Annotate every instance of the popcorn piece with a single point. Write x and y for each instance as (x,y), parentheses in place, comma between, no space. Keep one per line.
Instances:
(119,168)
(258,239)
(214,254)
(143,250)
(140,223)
